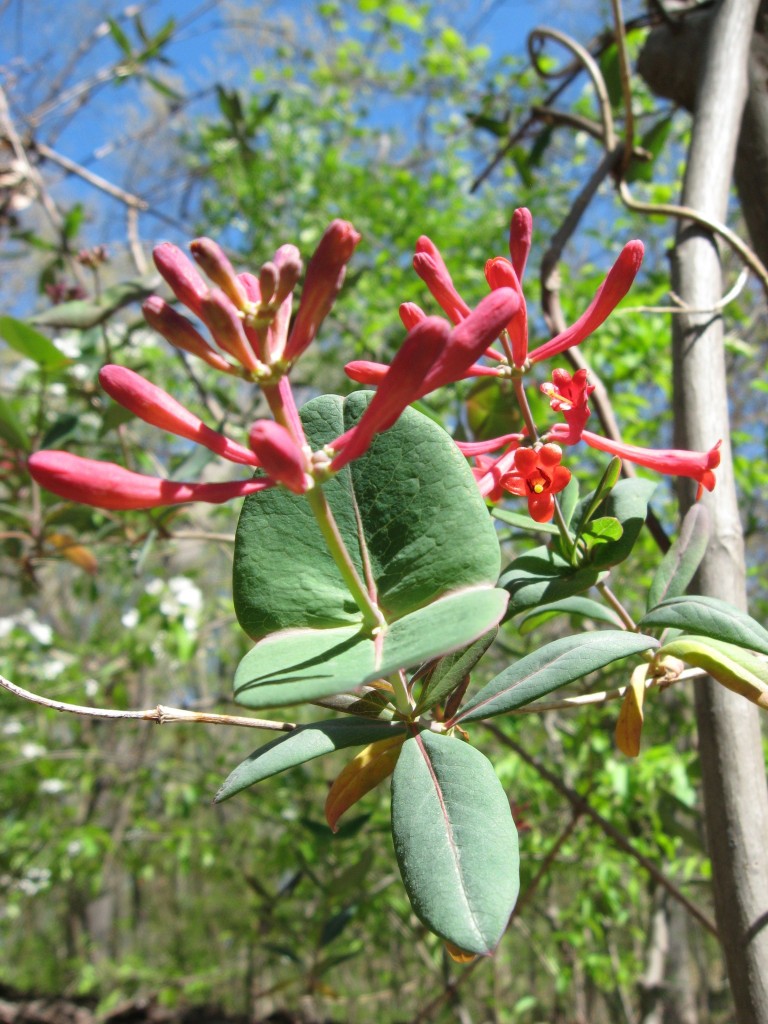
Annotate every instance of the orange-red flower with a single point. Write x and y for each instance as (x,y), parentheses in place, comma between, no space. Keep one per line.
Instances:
(537,476)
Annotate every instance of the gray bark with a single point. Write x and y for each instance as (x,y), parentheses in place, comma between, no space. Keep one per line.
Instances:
(733,770)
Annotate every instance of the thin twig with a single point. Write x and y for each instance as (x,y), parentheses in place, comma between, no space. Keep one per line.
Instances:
(160,714)
(93,179)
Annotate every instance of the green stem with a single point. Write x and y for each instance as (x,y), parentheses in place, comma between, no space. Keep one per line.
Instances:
(569,543)
(372,617)
(609,596)
(402,697)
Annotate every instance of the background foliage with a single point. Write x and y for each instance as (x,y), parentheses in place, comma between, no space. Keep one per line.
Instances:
(118,875)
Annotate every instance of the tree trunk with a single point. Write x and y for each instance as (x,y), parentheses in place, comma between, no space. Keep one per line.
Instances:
(733,771)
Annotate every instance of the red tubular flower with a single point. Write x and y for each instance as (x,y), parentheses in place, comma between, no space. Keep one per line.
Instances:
(490,473)
(569,395)
(471,338)
(674,462)
(180,274)
(402,384)
(411,314)
(177,330)
(538,476)
(325,274)
(520,236)
(609,295)
(107,485)
(431,268)
(280,456)
(227,328)
(155,406)
(213,260)
(500,273)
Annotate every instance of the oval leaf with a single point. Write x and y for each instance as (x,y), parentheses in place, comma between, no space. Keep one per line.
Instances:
(304,743)
(542,576)
(678,567)
(562,661)
(300,665)
(711,617)
(581,606)
(627,502)
(455,841)
(32,343)
(733,667)
(363,773)
(411,502)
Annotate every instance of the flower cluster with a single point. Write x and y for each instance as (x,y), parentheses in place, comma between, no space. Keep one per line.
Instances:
(530,466)
(249,320)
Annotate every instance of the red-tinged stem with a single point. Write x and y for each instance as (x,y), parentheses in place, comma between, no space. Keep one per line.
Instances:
(525,409)
(611,599)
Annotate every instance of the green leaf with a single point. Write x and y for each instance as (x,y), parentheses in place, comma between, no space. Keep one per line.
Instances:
(733,667)
(561,662)
(709,617)
(653,140)
(582,606)
(455,841)
(31,343)
(82,314)
(627,502)
(303,744)
(591,502)
(451,670)
(542,576)
(300,665)
(569,499)
(678,567)
(11,429)
(601,530)
(120,37)
(62,428)
(411,501)
(523,522)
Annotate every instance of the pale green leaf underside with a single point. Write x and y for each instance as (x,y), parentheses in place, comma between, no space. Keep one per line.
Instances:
(303,744)
(455,841)
(301,665)
(562,661)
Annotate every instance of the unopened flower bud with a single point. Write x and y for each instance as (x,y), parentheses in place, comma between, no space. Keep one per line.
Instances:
(177,330)
(411,314)
(227,328)
(268,279)
(180,274)
(288,262)
(213,260)
(279,455)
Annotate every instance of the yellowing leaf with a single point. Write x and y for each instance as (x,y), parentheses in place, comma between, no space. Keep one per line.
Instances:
(629,725)
(461,956)
(736,669)
(80,556)
(370,767)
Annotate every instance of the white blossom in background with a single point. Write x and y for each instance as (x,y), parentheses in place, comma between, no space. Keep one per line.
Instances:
(130,619)
(32,750)
(36,880)
(52,787)
(12,727)
(183,598)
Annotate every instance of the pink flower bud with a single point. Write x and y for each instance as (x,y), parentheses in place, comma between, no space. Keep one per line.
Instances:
(180,274)
(520,237)
(107,485)
(325,274)
(499,273)
(215,264)
(269,275)
(155,406)
(250,285)
(288,262)
(227,328)
(402,384)
(472,337)
(431,268)
(365,372)
(177,330)
(411,314)
(279,454)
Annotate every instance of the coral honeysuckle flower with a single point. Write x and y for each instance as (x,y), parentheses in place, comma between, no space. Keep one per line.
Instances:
(249,316)
(672,461)
(107,485)
(431,356)
(537,476)
(569,396)
(608,296)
